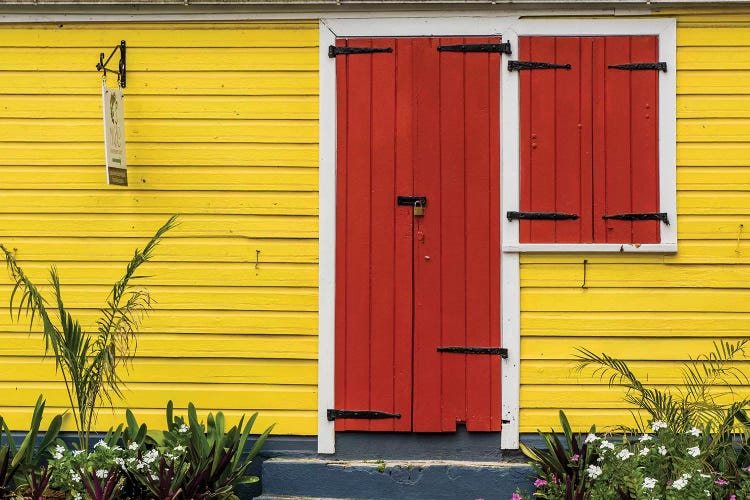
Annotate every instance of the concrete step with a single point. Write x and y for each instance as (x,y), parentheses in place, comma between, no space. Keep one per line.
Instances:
(285,478)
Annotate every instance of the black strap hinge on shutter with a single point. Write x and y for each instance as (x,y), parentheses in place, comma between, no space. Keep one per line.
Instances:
(662,216)
(523,65)
(334,51)
(360,414)
(475,350)
(658,66)
(541,216)
(503,48)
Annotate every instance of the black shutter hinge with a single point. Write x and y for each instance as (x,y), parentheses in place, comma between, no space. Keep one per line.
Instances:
(475,350)
(541,216)
(411,201)
(334,51)
(502,48)
(360,414)
(662,216)
(523,65)
(659,66)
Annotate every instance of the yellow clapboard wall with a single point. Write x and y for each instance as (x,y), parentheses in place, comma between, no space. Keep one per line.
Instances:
(221,127)
(655,310)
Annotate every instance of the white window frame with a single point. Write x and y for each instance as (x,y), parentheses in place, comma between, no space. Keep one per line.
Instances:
(510,27)
(666,31)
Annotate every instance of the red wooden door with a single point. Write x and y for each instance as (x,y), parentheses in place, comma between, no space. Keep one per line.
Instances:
(418,122)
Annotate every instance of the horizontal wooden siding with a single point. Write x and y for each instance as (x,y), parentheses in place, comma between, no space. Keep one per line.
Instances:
(221,127)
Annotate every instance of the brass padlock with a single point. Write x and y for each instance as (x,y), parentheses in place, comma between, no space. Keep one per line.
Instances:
(418,209)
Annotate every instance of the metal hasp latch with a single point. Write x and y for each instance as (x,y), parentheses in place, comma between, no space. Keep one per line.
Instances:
(658,66)
(360,414)
(334,51)
(541,216)
(662,216)
(121,67)
(502,48)
(475,350)
(418,202)
(524,65)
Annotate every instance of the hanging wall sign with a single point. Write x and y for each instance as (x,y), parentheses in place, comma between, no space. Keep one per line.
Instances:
(114,136)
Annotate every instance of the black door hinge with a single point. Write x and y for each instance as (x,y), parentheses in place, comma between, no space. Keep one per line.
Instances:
(523,65)
(659,66)
(662,216)
(411,201)
(334,51)
(502,48)
(541,216)
(360,414)
(475,350)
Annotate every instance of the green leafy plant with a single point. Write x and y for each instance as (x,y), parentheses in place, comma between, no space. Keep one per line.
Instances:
(89,363)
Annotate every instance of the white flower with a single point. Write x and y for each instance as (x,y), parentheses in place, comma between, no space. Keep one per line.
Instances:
(133,446)
(59,450)
(591,438)
(184,428)
(150,456)
(649,483)
(624,454)
(644,451)
(77,496)
(102,444)
(694,432)
(179,448)
(77,452)
(679,483)
(694,451)
(102,473)
(645,437)
(154,477)
(662,450)
(594,471)
(606,445)
(658,424)
(75,476)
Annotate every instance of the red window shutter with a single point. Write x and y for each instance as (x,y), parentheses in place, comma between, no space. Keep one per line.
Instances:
(626,139)
(556,128)
(589,139)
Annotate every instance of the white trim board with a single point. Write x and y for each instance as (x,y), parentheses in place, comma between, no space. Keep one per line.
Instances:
(510,27)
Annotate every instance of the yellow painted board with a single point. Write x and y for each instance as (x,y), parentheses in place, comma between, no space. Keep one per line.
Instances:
(655,348)
(243,83)
(634,324)
(635,299)
(708,106)
(554,372)
(286,421)
(699,36)
(237,249)
(710,252)
(166,59)
(196,155)
(580,419)
(709,82)
(172,178)
(117,200)
(710,202)
(225,396)
(713,179)
(710,58)
(635,275)
(179,345)
(713,130)
(202,298)
(144,225)
(100,37)
(168,107)
(707,154)
(175,371)
(197,274)
(162,130)
(592,258)
(189,322)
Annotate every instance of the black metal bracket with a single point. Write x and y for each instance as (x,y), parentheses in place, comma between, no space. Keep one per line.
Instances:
(411,201)
(334,51)
(121,68)
(503,48)
(360,414)
(541,216)
(662,216)
(475,350)
(659,66)
(523,65)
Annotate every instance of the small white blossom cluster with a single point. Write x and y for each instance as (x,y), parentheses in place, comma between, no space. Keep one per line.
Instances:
(681,481)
